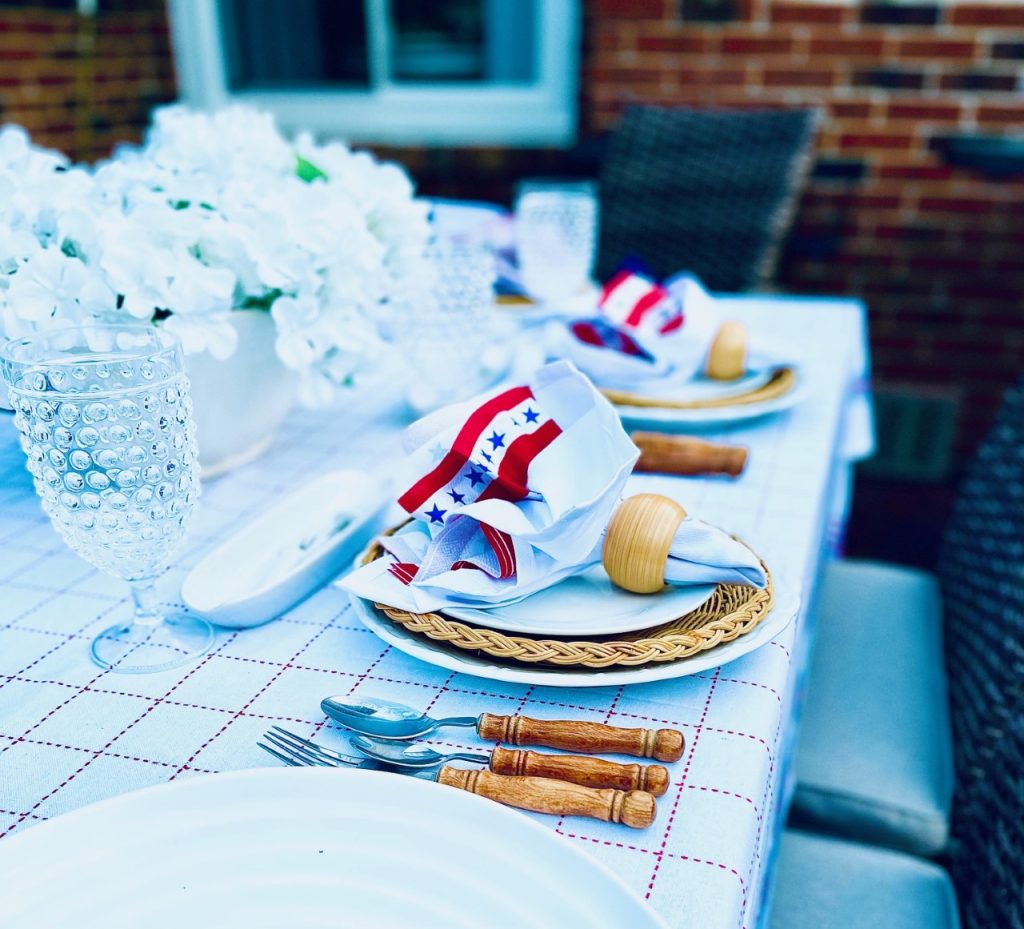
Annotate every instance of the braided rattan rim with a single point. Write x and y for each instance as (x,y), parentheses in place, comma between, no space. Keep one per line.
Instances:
(782,381)
(731,611)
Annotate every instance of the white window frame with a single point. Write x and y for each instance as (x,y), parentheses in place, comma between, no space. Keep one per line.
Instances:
(543,113)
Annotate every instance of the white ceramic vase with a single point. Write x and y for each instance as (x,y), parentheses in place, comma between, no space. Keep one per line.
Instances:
(241,401)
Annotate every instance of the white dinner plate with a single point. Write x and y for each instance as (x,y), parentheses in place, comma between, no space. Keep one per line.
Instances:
(668,419)
(311,847)
(463,662)
(587,604)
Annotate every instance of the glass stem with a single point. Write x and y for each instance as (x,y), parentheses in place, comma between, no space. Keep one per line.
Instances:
(147,602)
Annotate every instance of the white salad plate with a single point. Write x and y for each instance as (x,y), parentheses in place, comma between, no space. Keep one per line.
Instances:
(464,662)
(289,551)
(704,388)
(309,847)
(670,418)
(588,604)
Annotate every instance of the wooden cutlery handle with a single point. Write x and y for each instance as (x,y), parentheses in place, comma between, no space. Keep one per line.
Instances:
(676,454)
(590,772)
(586,737)
(634,808)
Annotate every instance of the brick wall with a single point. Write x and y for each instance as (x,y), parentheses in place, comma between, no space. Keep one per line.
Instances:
(82,85)
(937,252)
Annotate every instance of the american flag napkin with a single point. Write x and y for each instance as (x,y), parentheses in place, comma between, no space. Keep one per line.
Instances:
(645,332)
(512,493)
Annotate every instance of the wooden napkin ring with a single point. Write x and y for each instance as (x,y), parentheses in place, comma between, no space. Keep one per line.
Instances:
(638,539)
(727,357)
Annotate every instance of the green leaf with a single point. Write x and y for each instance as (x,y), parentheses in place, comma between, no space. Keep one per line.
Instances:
(262,302)
(306,170)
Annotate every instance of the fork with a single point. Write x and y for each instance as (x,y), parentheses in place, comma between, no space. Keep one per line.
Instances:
(634,808)
(299,752)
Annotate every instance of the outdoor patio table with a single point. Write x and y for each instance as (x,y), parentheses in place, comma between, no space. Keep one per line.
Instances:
(71,734)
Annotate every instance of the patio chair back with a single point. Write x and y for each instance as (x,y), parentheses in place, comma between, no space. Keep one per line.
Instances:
(707,191)
(982,577)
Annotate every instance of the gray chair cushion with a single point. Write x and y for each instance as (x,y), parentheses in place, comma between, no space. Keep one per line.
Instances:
(874,760)
(824,883)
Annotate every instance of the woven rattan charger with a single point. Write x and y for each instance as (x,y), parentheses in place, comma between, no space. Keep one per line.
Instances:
(731,611)
(781,382)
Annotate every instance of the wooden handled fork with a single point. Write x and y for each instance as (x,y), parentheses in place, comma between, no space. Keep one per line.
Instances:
(633,808)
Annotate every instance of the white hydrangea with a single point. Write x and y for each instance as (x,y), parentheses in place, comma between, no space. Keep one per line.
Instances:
(214,212)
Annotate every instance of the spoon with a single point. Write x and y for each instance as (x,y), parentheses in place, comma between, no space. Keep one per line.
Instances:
(590,772)
(411,755)
(385,719)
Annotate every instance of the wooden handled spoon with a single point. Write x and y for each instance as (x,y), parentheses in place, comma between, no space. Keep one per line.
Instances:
(384,719)
(575,769)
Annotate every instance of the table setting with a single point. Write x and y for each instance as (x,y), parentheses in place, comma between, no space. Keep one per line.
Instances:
(320,679)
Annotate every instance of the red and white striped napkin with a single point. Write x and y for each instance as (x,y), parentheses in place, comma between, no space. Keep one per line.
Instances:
(513,492)
(644,332)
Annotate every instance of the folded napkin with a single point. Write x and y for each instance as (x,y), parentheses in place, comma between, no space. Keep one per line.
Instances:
(647,334)
(513,493)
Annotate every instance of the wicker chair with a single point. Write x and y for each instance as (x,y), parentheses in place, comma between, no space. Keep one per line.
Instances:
(712,192)
(981,574)
(833,882)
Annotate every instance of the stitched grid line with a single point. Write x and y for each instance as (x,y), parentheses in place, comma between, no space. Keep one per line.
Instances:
(109,754)
(200,664)
(251,700)
(682,783)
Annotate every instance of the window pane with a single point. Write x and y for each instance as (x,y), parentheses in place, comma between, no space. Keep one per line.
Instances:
(283,44)
(477,41)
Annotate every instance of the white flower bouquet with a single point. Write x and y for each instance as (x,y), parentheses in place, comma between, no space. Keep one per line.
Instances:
(212,214)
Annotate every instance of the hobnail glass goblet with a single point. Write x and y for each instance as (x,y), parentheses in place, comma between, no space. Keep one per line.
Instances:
(448,326)
(556,236)
(106,422)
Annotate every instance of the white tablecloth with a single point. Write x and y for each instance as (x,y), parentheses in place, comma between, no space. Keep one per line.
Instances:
(71,734)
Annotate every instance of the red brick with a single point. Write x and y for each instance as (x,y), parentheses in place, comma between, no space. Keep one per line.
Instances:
(955,205)
(756,45)
(915,172)
(937,49)
(877,201)
(847,47)
(1007,113)
(857,109)
(623,75)
(811,13)
(876,140)
(981,14)
(789,77)
(674,44)
(629,9)
(715,77)
(924,110)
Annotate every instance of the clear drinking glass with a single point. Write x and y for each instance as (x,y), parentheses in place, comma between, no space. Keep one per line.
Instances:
(556,236)
(106,422)
(448,326)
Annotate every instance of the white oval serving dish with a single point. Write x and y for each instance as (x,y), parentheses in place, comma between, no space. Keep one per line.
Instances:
(301,543)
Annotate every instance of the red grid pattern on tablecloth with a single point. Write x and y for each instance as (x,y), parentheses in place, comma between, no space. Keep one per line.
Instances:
(71,733)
